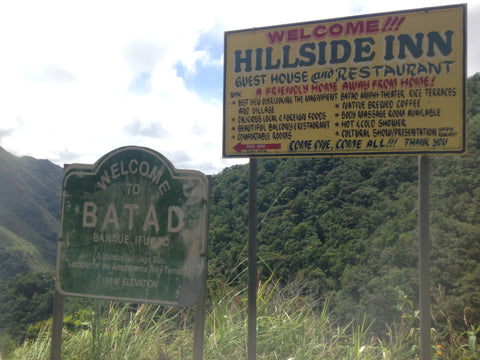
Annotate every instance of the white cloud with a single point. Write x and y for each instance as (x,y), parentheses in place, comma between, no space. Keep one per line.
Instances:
(152,130)
(81,78)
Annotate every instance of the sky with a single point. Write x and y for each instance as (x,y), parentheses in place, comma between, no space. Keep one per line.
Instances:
(79,79)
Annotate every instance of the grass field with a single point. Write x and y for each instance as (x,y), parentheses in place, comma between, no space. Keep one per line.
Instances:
(290,327)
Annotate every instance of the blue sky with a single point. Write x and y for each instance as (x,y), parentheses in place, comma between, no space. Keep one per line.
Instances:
(205,80)
(80,79)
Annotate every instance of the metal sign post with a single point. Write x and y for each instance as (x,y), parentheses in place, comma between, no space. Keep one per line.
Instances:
(424,255)
(252,261)
(57,326)
(199,327)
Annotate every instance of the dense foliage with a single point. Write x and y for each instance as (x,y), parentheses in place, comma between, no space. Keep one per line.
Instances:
(25,300)
(347,228)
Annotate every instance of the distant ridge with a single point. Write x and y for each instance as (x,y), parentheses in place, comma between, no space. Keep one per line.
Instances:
(30,192)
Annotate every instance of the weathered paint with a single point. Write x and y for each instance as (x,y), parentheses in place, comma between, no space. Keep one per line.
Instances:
(133,228)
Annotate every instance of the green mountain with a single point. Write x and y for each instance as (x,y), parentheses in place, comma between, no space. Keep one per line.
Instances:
(29,213)
(17,255)
(347,229)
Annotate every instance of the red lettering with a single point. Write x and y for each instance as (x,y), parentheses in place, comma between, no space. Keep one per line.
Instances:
(319,31)
(372,27)
(335,30)
(304,36)
(292,35)
(275,37)
(354,28)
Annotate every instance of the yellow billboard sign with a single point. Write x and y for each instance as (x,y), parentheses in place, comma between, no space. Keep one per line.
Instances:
(391,83)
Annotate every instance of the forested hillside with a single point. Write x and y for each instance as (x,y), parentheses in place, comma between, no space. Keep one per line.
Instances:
(347,228)
(343,229)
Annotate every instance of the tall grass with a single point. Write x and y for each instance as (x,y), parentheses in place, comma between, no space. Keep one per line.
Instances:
(291,326)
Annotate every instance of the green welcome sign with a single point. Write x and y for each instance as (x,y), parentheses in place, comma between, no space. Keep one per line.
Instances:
(133,228)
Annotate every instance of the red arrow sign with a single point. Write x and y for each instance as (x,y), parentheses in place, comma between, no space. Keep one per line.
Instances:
(240,147)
